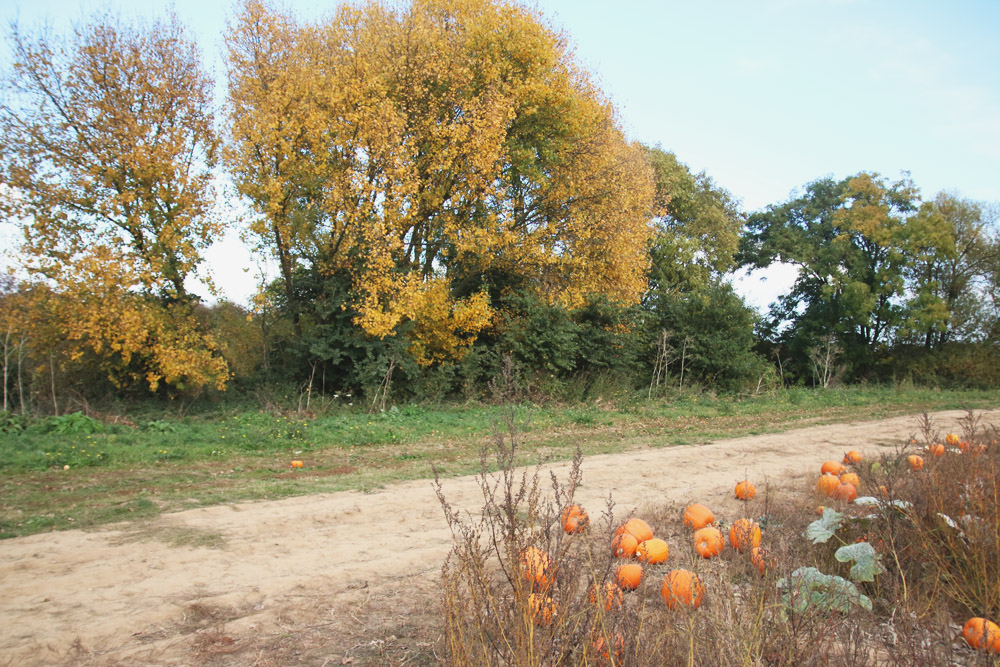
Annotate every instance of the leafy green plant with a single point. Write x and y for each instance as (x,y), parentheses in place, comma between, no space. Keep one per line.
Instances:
(807,588)
(75,423)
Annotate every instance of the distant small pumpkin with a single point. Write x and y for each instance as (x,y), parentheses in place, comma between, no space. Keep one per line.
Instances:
(629,576)
(697,516)
(682,587)
(916,462)
(296,464)
(853,457)
(575,519)
(708,542)
(982,634)
(745,490)
(744,535)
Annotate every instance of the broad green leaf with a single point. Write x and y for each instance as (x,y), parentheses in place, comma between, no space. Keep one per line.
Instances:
(822,529)
(808,588)
(867,561)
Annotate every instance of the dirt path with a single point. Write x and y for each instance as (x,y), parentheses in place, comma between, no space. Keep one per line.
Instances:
(329,579)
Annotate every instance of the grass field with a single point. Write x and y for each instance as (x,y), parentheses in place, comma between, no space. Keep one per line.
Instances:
(77,471)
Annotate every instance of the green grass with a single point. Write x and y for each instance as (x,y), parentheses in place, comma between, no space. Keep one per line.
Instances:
(127,469)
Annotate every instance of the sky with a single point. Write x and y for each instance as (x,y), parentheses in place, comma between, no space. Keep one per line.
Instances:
(764,96)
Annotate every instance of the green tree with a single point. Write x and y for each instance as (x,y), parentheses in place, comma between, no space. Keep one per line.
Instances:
(697,228)
(949,276)
(850,240)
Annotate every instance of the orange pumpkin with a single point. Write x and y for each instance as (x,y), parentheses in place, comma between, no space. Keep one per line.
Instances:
(982,635)
(574,519)
(542,608)
(935,450)
(845,492)
(963,446)
(819,510)
(745,490)
(827,483)
(952,440)
(682,587)
(850,478)
(744,535)
(629,576)
(698,516)
(883,490)
(832,468)
(537,568)
(708,542)
(916,462)
(612,595)
(758,558)
(637,528)
(652,551)
(624,545)
(296,464)
(852,457)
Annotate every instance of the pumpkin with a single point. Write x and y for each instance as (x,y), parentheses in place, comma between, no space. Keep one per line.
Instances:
(708,542)
(963,446)
(935,450)
(682,587)
(537,568)
(826,484)
(637,528)
(697,516)
(624,545)
(850,478)
(852,457)
(652,551)
(982,634)
(916,462)
(601,649)
(542,608)
(883,490)
(845,492)
(758,557)
(612,595)
(629,576)
(574,519)
(744,535)
(296,464)
(819,510)
(832,468)
(952,440)
(745,490)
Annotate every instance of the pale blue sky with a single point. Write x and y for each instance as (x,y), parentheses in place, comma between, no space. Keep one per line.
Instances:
(764,95)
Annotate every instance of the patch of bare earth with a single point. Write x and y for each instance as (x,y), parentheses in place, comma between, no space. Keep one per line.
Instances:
(345,578)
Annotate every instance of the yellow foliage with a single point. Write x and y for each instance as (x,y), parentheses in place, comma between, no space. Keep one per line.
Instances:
(450,136)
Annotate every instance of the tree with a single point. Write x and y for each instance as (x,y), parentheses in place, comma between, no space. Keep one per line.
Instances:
(428,152)
(697,228)
(949,275)
(850,241)
(108,144)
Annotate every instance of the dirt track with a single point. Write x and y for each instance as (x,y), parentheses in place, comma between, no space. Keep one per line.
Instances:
(329,579)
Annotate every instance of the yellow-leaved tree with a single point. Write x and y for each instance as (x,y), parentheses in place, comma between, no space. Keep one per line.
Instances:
(427,149)
(108,147)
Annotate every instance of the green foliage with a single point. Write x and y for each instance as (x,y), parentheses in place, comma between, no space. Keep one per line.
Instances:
(866,561)
(12,423)
(712,328)
(821,530)
(807,589)
(76,422)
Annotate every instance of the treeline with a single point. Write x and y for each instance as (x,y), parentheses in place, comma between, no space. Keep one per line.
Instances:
(440,185)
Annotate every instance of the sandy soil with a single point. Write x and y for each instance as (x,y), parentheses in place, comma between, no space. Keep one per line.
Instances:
(345,578)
